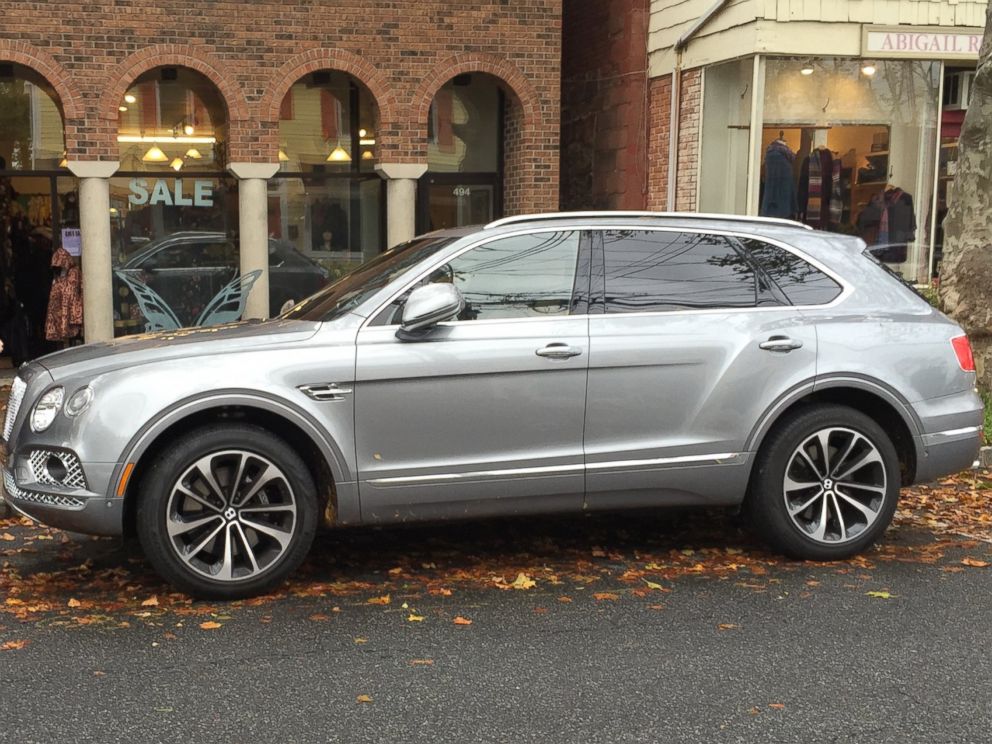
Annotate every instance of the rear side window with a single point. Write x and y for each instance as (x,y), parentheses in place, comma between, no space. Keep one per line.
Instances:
(652,271)
(800,281)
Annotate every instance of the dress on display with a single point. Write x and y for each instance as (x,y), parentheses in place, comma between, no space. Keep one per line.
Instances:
(65,303)
(779,198)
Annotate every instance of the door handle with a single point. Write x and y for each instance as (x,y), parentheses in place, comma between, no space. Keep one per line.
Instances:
(780,343)
(558,351)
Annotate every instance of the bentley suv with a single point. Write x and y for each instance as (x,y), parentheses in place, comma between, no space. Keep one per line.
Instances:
(545,363)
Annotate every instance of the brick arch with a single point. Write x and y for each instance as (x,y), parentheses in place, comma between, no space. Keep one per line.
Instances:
(70,100)
(172,55)
(506,72)
(314,60)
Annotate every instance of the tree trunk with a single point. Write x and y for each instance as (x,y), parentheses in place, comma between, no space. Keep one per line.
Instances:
(966,274)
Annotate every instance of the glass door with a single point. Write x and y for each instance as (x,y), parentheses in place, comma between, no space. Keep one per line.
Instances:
(457,199)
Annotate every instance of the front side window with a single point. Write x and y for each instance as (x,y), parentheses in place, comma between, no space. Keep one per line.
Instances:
(656,271)
(800,281)
(525,276)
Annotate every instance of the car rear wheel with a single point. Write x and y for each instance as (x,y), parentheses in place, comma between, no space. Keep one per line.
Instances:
(227,512)
(825,484)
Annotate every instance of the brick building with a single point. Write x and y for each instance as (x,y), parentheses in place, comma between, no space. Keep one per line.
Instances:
(843,114)
(177,136)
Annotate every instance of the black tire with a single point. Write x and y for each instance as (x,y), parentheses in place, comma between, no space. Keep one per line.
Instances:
(767,505)
(294,489)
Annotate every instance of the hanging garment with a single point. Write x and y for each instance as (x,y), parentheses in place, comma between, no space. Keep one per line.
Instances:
(65,303)
(836,206)
(779,198)
(814,201)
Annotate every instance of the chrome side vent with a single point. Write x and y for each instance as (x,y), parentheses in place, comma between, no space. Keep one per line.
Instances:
(325,391)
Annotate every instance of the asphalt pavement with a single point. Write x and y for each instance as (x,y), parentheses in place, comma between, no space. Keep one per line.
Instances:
(637,628)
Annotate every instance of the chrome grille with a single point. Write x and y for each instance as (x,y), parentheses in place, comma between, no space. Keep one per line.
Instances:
(13,404)
(62,502)
(74,469)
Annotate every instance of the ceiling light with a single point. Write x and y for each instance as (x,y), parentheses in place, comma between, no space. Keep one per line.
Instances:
(869,70)
(367,155)
(167,139)
(122,108)
(155,155)
(64,163)
(339,155)
(130,98)
(369,141)
(188,130)
(807,69)
(362,132)
(176,164)
(283,157)
(193,154)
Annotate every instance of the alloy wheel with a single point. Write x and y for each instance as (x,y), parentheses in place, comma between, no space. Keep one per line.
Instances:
(231,515)
(835,485)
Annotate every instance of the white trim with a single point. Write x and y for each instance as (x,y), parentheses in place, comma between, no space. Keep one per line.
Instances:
(520,219)
(953,433)
(725,458)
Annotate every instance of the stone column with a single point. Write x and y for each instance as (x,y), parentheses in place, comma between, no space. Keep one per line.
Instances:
(401,200)
(253,229)
(94,224)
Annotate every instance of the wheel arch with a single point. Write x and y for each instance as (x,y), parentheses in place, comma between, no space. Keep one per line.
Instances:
(323,457)
(869,396)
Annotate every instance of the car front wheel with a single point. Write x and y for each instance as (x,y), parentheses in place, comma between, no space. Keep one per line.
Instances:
(227,512)
(825,485)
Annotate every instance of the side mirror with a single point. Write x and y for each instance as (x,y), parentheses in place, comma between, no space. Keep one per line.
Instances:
(429,305)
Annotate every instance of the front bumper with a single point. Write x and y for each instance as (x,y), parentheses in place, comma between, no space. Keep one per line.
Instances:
(69,505)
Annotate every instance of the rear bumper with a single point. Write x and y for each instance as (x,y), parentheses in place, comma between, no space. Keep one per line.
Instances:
(947,452)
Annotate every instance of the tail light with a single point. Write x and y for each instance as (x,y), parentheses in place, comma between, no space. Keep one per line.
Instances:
(962,349)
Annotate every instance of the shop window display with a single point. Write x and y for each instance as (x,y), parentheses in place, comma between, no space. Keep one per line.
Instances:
(327,202)
(847,146)
(39,219)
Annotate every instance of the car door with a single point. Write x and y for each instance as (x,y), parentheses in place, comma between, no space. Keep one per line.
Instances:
(485,414)
(690,346)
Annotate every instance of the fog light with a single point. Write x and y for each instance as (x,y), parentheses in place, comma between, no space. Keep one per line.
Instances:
(56,469)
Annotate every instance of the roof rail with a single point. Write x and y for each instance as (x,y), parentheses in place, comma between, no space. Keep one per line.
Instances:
(669,215)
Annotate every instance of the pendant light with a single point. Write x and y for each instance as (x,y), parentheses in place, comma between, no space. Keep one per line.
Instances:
(283,157)
(155,155)
(193,154)
(176,164)
(339,155)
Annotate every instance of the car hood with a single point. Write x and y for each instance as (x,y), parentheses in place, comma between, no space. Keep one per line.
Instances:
(182,343)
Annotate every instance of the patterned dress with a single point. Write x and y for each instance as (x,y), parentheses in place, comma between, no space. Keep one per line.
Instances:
(65,303)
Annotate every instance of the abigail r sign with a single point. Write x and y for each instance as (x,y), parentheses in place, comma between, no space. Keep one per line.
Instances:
(921,42)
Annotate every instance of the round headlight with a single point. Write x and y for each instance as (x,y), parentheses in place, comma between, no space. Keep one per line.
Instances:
(79,401)
(46,409)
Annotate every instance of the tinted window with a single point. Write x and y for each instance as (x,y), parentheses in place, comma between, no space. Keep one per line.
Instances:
(799,280)
(650,271)
(520,277)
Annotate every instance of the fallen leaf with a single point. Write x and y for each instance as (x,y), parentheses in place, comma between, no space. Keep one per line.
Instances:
(415,618)
(975,563)
(777,706)
(13,645)
(363,699)
(421,662)
(7,537)
(73,602)
(728,626)
(360,641)
(150,602)
(880,595)
(606,595)
(318,617)
(564,599)
(654,585)
(462,621)
(209,625)
(383,600)
(523,581)
(754,711)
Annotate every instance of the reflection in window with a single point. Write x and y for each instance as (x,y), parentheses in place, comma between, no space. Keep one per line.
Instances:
(651,271)
(520,277)
(801,282)
(464,126)
(31,136)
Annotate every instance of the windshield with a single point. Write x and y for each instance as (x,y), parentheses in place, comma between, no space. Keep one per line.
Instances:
(354,288)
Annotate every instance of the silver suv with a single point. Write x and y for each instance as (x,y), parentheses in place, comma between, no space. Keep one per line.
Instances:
(549,363)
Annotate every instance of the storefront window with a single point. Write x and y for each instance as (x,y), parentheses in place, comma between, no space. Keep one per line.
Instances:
(327,202)
(463,185)
(848,146)
(725,136)
(39,214)
(173,208)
